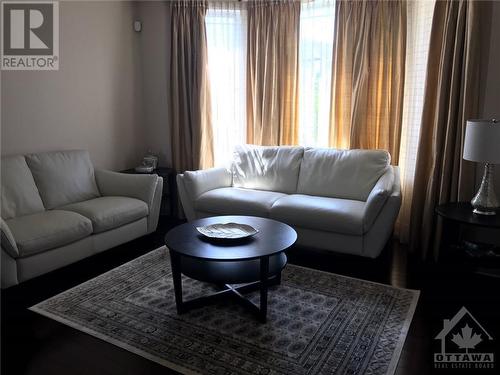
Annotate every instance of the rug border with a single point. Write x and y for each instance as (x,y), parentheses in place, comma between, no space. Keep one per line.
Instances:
(403,334)
(173,366)
(95,277)
(354,278)
(391,369)
(112,341)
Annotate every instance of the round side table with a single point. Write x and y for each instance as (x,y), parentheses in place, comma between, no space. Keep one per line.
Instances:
(458,216)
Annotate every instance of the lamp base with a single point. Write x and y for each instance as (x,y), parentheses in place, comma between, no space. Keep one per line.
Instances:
(480,212)
(485,201)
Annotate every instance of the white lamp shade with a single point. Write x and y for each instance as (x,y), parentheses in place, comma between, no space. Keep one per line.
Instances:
(482,141)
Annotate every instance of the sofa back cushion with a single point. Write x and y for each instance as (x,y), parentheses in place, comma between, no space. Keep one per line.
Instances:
(19,193)
(347,174)
(267,167)
(63,177)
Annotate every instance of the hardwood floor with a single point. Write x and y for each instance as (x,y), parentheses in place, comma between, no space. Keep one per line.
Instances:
(32,344)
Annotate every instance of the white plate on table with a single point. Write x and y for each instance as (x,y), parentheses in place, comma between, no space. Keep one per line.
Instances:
(227,231)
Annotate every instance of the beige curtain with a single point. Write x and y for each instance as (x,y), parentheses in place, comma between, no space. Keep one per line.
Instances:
(272,72)
(451,97)
(191,134)
(368,75)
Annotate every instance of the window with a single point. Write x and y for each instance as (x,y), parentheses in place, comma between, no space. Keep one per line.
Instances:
(226,40)
(317,23)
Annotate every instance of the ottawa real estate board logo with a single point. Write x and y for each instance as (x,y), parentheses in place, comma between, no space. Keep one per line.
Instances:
(30,35)
(465,344)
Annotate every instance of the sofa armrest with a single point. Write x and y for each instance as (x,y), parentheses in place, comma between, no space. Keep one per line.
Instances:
(378,197)
(396,186)
(8,270)
(7,240)
(192,184)
(9,252)
(146,187)
(199,182)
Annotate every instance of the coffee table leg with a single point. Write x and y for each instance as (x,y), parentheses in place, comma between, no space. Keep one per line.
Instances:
(277,280)
(264,279)
(175,261)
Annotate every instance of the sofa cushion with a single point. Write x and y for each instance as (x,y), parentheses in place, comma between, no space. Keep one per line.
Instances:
(267,168)
(321,213)
(19,193)
(63,177)
(348,174)
(237,201)
(107,213)
(47,230)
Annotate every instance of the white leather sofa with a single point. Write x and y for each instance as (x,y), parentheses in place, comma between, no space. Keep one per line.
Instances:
(340,200)
(57,210)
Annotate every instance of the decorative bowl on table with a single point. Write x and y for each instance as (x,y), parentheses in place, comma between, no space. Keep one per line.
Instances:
(227,231)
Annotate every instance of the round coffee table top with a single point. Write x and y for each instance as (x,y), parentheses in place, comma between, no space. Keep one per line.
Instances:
(273,237)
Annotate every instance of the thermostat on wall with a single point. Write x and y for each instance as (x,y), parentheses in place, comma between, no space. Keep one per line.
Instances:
(138,26)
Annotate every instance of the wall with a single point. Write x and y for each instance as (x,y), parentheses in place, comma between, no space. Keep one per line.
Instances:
(155,54)
(94,100)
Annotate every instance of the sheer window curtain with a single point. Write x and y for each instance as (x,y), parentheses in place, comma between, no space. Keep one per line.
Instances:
(226,27)
(317,24)
(417,51)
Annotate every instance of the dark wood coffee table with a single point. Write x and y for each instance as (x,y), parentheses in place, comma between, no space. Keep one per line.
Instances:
(255,262)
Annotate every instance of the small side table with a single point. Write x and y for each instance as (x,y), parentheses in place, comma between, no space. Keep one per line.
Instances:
(482,258)
(169,195)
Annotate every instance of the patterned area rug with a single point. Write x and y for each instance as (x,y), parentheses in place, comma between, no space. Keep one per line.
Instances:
(318,323)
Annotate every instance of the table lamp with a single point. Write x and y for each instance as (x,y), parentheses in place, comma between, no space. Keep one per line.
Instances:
(482,144)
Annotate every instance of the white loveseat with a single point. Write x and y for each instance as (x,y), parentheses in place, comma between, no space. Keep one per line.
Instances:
(340,200)
(56,210)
